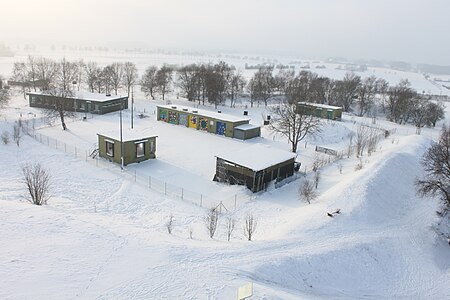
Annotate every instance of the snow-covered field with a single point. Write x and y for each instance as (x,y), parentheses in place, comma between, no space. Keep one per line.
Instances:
(103,236)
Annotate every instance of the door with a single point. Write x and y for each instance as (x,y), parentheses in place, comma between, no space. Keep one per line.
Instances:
(221,127)
(193,122)
(183,120)
(330,114)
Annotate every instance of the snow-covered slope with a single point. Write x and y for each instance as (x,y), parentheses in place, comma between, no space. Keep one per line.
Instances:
(102,236)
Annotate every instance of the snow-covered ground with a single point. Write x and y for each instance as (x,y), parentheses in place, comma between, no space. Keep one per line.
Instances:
(103,235)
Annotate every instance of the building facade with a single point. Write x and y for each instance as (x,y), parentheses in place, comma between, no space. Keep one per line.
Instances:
(212,122)
(136,147)
(79,102)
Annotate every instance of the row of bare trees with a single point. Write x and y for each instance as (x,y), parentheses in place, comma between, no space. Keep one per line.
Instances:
(212,225)
(40,73)
(213,83)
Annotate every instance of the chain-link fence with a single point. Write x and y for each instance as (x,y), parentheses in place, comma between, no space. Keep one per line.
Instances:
(221,202)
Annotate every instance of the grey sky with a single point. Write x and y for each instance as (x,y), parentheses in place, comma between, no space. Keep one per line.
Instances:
(407,30)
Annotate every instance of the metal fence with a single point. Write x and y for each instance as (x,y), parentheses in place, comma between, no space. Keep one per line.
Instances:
(223,203)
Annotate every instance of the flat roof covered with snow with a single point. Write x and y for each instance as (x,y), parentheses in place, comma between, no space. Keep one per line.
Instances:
(83,95)
(205,113)
(257,157)
(246,127)
(128,135)
(320,105)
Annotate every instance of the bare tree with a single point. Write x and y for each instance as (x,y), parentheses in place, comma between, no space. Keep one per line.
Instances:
(46,72)
(346,90)
(316,178)
(188,81)
(306,191)
(435,112)
(230,224)
(282,79)
(436,164)
(130,76)
(66,75)
(148,81)
(237,84)
(419,112)
(37,181)
(20,74)
(4,97)
(164,80)
(250,226)
(293,122)
(382,87)
(362,134)
(262,85)
(211,221)
(17,133)
(398,103)
(366,92)
(5,137)
(93,77)
(114,76)
(169,224)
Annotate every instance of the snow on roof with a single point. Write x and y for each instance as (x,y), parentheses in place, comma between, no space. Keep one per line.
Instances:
(257,157)
(246,127)
(321,105)
(127,134)
(206,113)
(83,95)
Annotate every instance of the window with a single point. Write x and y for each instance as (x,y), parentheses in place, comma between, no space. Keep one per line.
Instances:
(140,149)
(109,148)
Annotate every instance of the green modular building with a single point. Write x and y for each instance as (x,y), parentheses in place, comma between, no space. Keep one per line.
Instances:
(254,166)
(85,102)
(137,146)
(212,122)
(320,110)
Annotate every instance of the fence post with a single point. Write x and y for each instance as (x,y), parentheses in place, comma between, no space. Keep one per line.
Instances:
(201,200)
(165,188)
(181,193)
(40,138)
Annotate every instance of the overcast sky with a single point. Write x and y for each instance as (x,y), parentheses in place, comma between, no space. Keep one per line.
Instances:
(406,30)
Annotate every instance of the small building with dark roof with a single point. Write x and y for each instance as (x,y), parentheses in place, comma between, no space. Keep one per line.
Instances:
(79,101)
(254,166)
(137,146)
(212,122)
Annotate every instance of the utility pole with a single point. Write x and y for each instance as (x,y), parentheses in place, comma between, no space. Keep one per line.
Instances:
(132,106)
(121,137)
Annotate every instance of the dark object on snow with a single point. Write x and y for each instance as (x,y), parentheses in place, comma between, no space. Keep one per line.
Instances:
(330,215)
(338,211)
